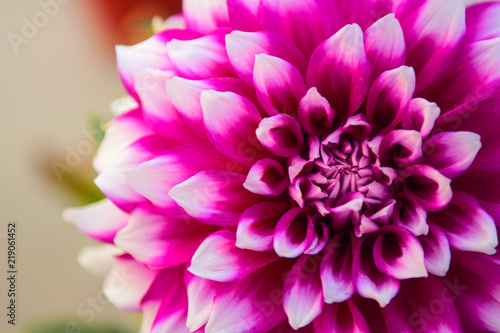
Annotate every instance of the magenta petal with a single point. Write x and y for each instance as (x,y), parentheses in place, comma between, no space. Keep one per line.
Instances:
(414,309)
(242,47)
(200,58)
(243,14)
(152,239)
(401,148)
(201,293)
(385,45)
(420,115)
(100,220)
(230,122)
(437,253)
(451,153)
(214,197)
(266,177)
(340,318)
(205,16)
(315,114)
(433,33)
(336,268)
(358,126)
(366,12)
(467,225)
(340,70)
(294,233)
(302,293)
(155,178)
(278,83)
(257,224)
(368,280)
(219,259)
(281,135)
(388,96)
(398,252)
(137,278)
(297,19)
(482,21)
(408,213)
(251,304)
(428,186)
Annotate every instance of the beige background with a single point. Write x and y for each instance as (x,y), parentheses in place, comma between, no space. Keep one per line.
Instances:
(46,89)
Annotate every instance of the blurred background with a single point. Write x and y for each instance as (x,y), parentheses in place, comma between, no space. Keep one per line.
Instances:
(57,79)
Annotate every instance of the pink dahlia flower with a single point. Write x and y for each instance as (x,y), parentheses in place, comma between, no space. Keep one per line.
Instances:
(311,165)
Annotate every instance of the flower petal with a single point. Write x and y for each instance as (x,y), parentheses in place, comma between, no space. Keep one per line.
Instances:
(408,213)
(278,83)
(243,14)
(281,135)
(466,225)
(205,16)
(340,318)
(257,224)
(302,293)
(294,233)
(340,70)
(315,114)
(451,153)
(401,148)
(214,197)
(201,293)
(482,21)
(266,177)
(437,254)
(420,115)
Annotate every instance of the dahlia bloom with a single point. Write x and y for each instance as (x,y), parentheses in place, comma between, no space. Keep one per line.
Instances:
(311,165)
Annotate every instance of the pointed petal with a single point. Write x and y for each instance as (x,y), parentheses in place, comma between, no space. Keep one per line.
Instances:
(214,197)
(257,224)
(98,259)
(388,96)
(230,122)
(306,23)
(437,254)
(200,58)
(340,70)
(205,16)
(428,186)
(385,45)
(100,220)
(467,225)
(340,318)
(266,177)
(201,293)
(294,233)
(420,115)
(398,252)
(368,280)
(336,268)
(281,135)
(242,47)
(315,114)
(278,83)
(408,213)
(451,153)
(152,239)
(302,293)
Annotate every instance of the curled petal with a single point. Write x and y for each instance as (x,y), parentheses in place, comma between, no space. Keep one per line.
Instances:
(388,96)
(340,70)
(100,220)
(408,213)
(218,258)
(200,58)
(467,225)
(214,197)
(230,122)
(349,204)
(398,253)
(315,114)
(279,84)
(451,153)
(242,47)
(437,253)
(294,233)
(420,115)
(428,186)
(336,268)
(266,177)
(302,295)
(281,135)
(385,45)
(368,280)
(358,126)
(257,224)
(341,318)
(205,16)
(401,148)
